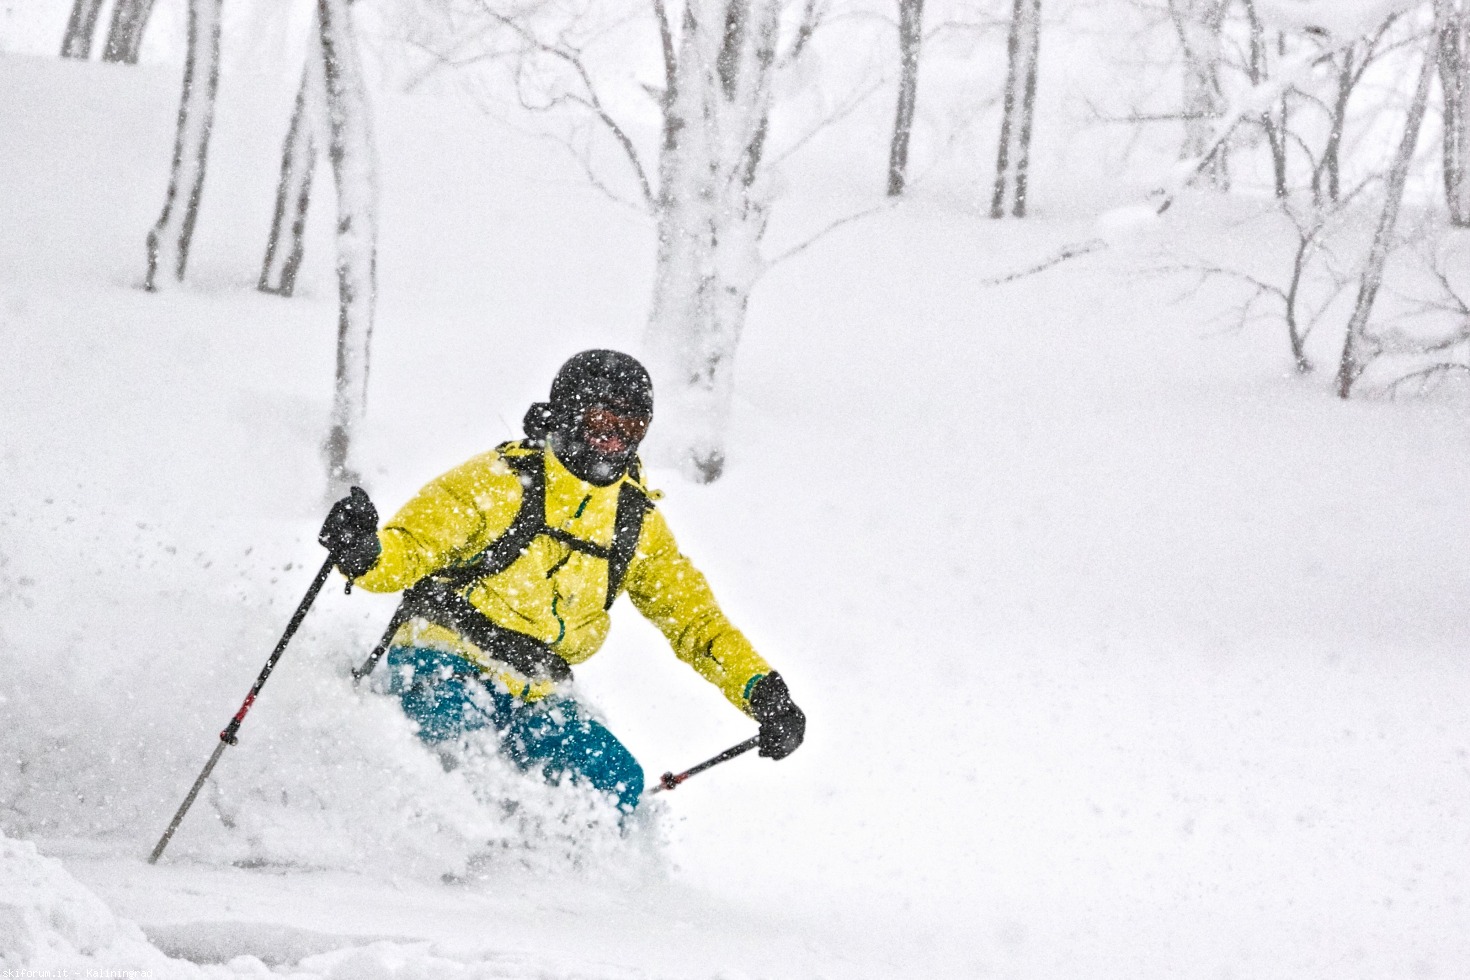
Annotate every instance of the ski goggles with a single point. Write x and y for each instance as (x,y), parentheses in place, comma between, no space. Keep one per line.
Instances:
(601,424)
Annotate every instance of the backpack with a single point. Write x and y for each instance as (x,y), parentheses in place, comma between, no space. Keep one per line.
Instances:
(440,598)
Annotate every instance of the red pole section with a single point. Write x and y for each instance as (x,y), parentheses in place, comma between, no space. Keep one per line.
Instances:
(671,781)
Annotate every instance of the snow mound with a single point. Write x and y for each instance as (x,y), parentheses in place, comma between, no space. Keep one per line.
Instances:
(391,961)
(1124,225)
(50,921)
(273,944)
(53,925)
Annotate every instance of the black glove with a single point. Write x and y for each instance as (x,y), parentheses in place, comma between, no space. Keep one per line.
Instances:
(783,725)
(350,533)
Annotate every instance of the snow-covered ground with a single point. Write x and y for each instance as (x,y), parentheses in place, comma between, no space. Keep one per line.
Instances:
(1126,652)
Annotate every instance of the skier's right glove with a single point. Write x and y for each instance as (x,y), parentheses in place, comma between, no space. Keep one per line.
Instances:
(350,533)
(783,725)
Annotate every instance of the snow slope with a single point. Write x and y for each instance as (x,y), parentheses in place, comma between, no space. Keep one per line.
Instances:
(1125,652)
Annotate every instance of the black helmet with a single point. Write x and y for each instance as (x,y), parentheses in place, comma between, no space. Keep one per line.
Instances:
(601,404)
(608,378)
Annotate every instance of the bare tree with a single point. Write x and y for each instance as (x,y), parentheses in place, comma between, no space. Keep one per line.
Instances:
(1440,327)
(1200,27)
(708,193)
(1274,118)
(125,36)
(168,241)
(1023,50)
(1357,348)
(81,26)
(910,38)
(1293,85)
(1349,63)
(354,165)
(286,245)
(711,215)
(1308,289)
(1454,76)
(1327,176)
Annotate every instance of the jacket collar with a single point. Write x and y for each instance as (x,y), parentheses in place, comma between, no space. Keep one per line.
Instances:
(560,480)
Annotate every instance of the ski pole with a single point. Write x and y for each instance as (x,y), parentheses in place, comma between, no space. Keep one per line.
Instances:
(671,781)
(228,736)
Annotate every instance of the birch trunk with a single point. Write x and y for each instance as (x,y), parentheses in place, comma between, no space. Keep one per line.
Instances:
(1454,75)
(125,36)
(1355,356)
(168,241)
(354,165)
(1013,157)
(286,245)
(910,35)
(81,26)
(1200,25)
(711,217)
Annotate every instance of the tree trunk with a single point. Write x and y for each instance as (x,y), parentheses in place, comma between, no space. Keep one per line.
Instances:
(1354,356)
(1013,157)
(1274,127)
(168,242)
(125,37)
(1294,332)
(910,36)
(1454,75)
(711,217)
(354,165)
(81,26)
(1331,165)
(293,191)
(1200,24)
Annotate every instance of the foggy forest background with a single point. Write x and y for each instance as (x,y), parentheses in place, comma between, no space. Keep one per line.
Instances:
(1338,132)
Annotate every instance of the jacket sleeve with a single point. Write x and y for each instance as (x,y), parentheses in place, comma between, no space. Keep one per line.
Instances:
(451,519)
(674,596)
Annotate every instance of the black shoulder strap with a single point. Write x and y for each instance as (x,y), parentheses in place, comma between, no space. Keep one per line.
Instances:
(633,504)
(530,520)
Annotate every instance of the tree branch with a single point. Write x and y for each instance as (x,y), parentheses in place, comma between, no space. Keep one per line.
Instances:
(803,246)
(591,101)
(1074,251)
(811,19)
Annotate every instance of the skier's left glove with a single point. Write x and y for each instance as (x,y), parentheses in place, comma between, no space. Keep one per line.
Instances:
(783,725)
(350,532)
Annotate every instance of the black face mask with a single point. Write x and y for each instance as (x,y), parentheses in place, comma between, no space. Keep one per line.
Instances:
(589,465)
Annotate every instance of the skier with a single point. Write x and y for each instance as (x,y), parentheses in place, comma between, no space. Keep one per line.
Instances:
(510,563)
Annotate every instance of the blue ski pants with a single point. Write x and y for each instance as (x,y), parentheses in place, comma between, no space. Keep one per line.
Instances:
(448,698)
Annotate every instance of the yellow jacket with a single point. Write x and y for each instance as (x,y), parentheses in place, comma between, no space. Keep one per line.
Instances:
(552,592)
